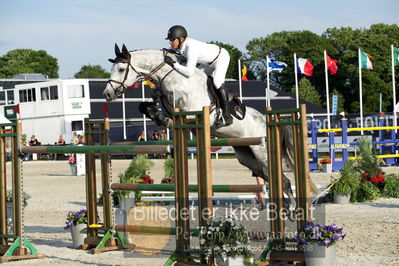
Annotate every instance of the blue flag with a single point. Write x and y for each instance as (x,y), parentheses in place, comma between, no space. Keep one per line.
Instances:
(276,65)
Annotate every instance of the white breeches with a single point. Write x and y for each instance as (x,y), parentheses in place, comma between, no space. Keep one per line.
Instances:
(218,69)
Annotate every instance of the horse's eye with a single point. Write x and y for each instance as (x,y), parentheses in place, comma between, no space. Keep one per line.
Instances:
(121,70)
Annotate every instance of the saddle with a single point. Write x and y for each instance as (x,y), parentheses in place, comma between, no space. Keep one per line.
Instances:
(234,106)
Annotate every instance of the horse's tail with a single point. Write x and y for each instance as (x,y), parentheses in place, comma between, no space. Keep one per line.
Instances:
(287,147)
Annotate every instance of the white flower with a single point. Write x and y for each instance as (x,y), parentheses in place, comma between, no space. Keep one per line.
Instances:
(217,229)
(212,228)
(202,241)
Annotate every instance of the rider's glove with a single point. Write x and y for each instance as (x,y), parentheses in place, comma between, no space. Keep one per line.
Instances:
(168,60)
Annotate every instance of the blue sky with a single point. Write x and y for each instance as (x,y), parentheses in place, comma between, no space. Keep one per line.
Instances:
(79,32)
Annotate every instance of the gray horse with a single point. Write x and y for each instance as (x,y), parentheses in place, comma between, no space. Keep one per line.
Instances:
(191,94)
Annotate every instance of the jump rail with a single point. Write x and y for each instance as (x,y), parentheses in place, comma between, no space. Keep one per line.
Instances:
(191,188)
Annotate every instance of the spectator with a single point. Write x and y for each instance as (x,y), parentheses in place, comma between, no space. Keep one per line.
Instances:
(72,164)
(155,135)
(81,139)
(75,139)
(163,135)
(141,137)
(61,141)
(33,142)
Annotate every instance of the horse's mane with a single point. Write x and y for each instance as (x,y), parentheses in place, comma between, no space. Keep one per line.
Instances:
(179,57)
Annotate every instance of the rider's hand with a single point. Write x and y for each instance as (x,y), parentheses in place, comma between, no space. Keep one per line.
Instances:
(168,60)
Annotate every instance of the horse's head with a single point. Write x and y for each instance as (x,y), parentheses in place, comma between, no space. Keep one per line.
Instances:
(121,79)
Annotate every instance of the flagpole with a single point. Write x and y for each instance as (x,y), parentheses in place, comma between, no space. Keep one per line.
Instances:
(268,82)
(239,78)
(393,88)
(124,116)
(360,91)
(327,90)
(144,116)
(296,82)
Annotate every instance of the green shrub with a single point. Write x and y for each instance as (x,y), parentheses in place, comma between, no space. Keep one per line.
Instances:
(348,181)
(139,167)
(367,191)
(169,167)
(391,186)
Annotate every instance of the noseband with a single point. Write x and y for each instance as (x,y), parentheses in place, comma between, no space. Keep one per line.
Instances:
(122,88)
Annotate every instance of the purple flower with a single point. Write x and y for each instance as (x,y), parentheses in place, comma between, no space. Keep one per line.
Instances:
(326,241)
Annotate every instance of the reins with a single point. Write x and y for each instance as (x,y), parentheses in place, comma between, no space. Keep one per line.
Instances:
(139,74)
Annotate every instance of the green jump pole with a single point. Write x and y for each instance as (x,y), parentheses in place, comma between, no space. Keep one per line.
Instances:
(92,149)
(193,143)
(192,188)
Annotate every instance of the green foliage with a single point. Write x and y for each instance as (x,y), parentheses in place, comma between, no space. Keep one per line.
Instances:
(169,167)
(92,71)
(367,191)
(21,61)
(391,186)
(139,166)
(25,197)
(367,162)
(224,237)
(307,92)
(348,181)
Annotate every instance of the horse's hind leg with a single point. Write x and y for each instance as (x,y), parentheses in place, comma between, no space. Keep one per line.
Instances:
(288,191)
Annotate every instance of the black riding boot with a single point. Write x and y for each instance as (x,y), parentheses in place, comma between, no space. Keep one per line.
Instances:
(224,98)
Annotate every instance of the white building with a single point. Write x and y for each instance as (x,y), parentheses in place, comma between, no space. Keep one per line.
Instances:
(48,109)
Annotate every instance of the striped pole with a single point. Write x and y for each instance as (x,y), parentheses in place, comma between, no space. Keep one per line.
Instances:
(92,149)
(191,188)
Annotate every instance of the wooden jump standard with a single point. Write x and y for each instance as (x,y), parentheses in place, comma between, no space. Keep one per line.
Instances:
(296,120)
(13,246)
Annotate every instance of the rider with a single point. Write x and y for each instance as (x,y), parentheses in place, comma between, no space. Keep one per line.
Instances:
(213,59)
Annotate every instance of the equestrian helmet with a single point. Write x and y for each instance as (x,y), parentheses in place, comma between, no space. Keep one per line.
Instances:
(176,32)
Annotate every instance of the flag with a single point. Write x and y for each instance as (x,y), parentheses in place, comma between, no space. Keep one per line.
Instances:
(276,65)
(396,56)
(16,109)
(244,74)
(332,65)
(304,66)
(365,60)
(149,83)
(105,109)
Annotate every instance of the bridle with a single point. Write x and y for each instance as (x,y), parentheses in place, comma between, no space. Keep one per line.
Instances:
(122,88)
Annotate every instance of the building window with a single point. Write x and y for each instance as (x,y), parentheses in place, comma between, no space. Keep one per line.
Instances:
(49,93)
(76,91)
(28,95)
(77,125)
(10,97)
(2,98)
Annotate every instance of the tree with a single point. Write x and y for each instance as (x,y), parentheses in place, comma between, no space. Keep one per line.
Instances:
(281,45)
(92,71)
(341,44)
(307,92)
(375,41)
(22,61)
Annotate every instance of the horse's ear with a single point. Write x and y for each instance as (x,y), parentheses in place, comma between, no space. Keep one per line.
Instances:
(125,52)
(113,61)
(117,50)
